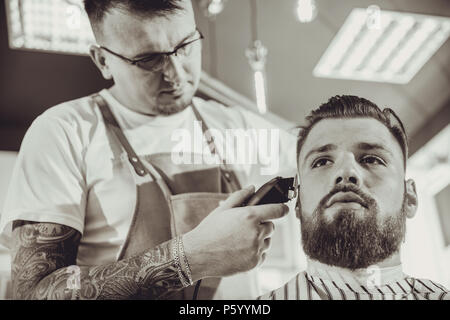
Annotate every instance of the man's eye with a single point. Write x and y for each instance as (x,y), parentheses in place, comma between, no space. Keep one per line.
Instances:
(372,160)
(320,162)
(151,58)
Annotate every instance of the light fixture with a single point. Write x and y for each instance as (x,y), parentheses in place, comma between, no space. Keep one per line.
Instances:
(306,10)
(49,25)
(383,46)
(260,89)
(212,8)
(256,56)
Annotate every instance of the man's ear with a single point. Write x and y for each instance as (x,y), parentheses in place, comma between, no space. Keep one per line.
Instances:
(98,57)
(297,207)
(411,198)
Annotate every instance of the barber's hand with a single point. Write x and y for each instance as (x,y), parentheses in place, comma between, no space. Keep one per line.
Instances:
(231,238)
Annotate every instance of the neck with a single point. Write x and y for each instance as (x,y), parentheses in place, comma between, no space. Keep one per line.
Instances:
(384,271)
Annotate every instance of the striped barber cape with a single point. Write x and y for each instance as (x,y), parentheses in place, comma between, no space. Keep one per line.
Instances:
(323,284)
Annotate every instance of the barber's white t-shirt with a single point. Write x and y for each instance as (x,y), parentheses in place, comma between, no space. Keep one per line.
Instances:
(65,163)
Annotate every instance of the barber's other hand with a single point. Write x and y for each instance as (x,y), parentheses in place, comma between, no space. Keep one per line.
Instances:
(231,238)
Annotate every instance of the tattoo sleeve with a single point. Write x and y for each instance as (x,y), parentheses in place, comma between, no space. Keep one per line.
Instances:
(44,267)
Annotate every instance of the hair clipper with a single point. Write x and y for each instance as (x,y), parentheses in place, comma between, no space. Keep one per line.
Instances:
(277,190)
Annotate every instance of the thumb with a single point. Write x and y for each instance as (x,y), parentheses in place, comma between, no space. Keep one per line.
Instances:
(237,198)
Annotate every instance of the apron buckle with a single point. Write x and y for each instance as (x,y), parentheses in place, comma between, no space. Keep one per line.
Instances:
(137,165)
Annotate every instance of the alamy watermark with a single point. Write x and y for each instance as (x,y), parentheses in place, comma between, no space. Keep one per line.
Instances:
(236,146)
(74,280)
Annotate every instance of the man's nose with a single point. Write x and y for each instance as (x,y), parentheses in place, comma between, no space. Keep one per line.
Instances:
(173,70)
(348,172)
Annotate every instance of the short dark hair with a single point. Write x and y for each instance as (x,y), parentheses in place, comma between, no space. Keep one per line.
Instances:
(347,106)
(96,9)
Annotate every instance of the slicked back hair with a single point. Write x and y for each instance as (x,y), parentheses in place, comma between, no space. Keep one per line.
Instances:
(346,106)
(96,9)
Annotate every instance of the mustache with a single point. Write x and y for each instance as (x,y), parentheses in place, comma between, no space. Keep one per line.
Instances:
(368,201)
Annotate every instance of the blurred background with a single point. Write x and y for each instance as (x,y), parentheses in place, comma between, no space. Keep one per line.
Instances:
(280,59)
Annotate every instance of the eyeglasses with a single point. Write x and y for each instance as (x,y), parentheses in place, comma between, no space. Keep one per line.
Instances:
(157,61)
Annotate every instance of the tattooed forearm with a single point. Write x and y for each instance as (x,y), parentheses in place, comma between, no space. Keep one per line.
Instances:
(43,267)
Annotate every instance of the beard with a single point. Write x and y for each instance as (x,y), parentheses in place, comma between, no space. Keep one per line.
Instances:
(167,110)
(350,241)
(167,106)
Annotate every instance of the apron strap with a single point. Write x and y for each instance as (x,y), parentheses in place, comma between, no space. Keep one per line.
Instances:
(134,160)
(227,174)
(206,133)
(139,167)
(112,124)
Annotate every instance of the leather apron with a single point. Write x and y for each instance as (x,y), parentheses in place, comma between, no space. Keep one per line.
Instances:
(171,199)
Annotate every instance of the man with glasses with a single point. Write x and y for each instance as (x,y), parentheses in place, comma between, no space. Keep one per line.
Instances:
(98,210)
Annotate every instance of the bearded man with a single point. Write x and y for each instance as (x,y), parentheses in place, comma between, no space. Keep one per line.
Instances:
(352,203)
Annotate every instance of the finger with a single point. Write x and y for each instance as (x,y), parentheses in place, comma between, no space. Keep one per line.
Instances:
(238,197)
(265,212)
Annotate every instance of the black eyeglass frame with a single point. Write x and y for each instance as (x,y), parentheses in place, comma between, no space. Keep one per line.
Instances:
(136,62)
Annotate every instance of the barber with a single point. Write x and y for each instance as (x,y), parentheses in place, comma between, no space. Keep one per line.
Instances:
(97,209)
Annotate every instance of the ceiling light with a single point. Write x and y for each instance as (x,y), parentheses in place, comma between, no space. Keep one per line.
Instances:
(383,46)
(256,56)
(306,10)
(215,7)
(212,8)
(49,25)
(260,90)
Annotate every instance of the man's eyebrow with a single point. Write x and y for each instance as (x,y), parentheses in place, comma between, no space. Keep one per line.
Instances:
(146,54)
(372,146)
(325,148)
